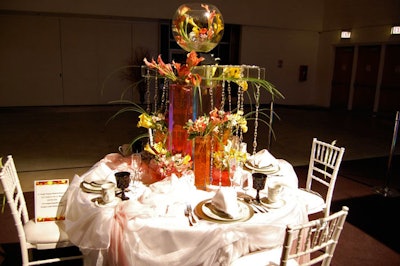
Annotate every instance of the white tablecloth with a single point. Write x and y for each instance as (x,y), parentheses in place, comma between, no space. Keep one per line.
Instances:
(151,228)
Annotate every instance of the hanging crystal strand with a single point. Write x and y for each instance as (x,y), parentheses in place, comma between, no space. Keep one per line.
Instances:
(240,108)
(256,115)
(223,95)
(211,158)
(166,85)
(155,94)
(163,97)
(147,95)
(212,138)
(229,97)
(211,98)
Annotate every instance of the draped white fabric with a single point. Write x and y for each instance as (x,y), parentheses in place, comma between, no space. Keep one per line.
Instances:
(151,229)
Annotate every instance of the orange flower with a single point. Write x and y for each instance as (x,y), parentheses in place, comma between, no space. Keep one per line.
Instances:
(177,72)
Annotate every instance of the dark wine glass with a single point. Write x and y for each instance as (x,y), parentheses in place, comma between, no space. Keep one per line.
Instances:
(259,183)
(123,180)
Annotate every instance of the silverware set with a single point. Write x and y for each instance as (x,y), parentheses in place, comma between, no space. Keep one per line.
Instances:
(257,207)
(192,218)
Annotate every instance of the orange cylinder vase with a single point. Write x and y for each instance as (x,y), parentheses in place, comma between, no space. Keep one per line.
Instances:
(202,161)
(179,112)
(222,176)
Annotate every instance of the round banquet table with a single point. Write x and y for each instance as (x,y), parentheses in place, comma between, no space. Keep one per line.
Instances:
(151,227)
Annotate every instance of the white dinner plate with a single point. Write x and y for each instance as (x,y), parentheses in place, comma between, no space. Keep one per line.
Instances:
(94,186)
(273,205)
(203,211)
(88,187)
(271,169)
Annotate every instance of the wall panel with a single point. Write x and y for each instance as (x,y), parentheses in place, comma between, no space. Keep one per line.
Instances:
(30,64)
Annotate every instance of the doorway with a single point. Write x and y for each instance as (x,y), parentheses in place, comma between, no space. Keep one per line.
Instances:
(342,77)
(366,78)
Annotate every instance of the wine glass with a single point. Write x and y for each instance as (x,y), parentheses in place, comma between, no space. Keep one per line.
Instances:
(232,170)
(135,163)
(123,180)
(258,183)
(246,183)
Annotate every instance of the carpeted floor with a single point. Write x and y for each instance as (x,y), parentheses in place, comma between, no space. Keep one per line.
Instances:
(376,216)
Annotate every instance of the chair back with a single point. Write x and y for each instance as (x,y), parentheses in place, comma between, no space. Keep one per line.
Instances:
(316,239)
(16,200)
(325,160)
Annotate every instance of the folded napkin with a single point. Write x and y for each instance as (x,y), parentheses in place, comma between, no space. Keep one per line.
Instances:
(99,172)
(225,200)
(262,159)
(165,197)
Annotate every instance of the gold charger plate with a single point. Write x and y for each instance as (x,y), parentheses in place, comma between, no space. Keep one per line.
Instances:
(199,210)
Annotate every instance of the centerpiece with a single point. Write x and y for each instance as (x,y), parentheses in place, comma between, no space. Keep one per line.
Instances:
(195,130)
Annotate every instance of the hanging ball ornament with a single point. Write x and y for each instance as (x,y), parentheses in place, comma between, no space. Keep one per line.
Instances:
(197,27)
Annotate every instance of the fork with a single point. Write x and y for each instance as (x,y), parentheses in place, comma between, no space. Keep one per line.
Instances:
(191,214)
(187,214)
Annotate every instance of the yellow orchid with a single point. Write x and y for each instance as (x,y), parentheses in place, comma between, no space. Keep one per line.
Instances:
(156,149)
(243,84)
(233,72)
(145,121)
(186,159)
(159,148)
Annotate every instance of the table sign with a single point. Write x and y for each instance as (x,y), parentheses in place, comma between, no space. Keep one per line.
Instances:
(49,201)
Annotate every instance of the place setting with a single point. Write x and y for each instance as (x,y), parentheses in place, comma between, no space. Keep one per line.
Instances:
(224,207)
(263,162)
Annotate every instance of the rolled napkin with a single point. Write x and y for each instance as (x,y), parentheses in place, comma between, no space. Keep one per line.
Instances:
(225,200)
(262,159)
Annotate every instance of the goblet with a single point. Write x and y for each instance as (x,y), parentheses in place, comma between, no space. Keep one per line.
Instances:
(259,183)
(123,180)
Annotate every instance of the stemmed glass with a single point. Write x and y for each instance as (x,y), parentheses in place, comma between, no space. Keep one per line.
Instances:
(232,170)
(259,183)
(245,183)
(123,180)
(136,162)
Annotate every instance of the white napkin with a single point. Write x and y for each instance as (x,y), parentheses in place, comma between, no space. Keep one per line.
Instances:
(167,197)
(225,200)
(100,171)
(262,159)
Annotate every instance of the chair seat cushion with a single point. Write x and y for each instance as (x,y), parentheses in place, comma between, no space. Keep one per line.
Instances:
(45,232)
(271,257)
(313,201)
